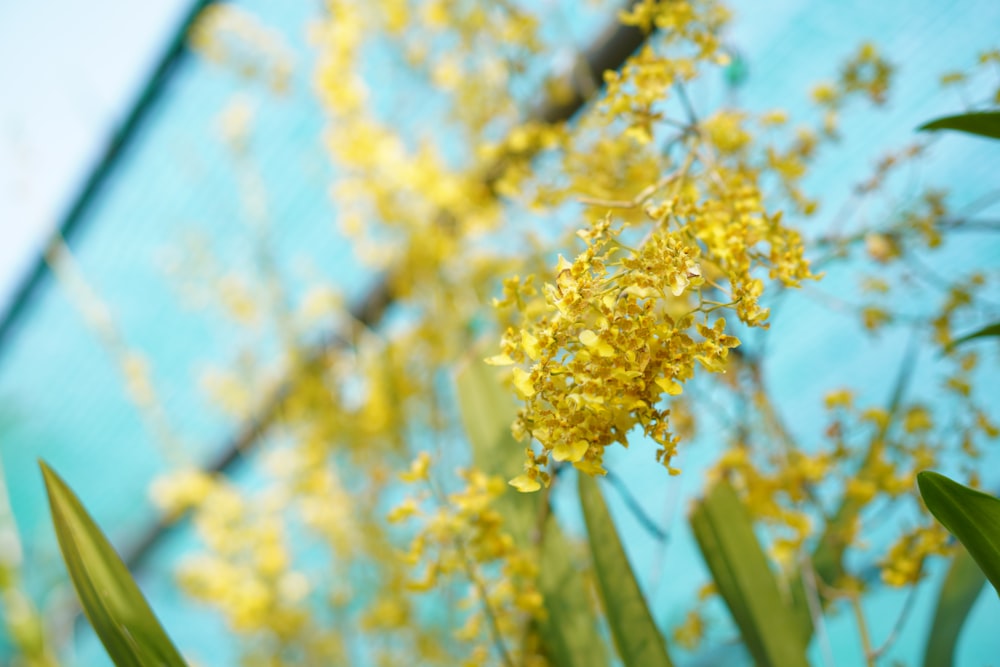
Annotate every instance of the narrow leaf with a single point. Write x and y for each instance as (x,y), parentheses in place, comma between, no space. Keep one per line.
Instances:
(989,330)
(635,633)
(982,123)
(971,516)
(959,591)
(111,600)
(770,627)
(487,412)
(569,631)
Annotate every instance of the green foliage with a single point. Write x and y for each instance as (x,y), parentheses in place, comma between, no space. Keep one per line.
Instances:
(635,633)
(982,123)
(971,516)
(989,330)
(766,619)
(112,601)
(961,588)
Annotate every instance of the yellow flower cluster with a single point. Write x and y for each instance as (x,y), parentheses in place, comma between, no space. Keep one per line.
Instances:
(694,23)
(411,183)
(689,634)
(247,574)
(464,540)
(874,453)
(866,73)
(619,328)
(903,564)
(247,569)
(605,352)
(636,93)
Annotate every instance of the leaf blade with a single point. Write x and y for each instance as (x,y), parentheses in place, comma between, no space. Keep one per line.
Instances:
(988,330)
(981,123)
(970,515)
(111,600)
(635,633)
(771,629)
(960,589)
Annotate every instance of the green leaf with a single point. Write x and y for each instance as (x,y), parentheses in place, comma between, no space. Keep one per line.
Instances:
(487,412)
(112,601)
(971,516)
(771,629)
(569,631)
(983,123)
(989,330)
(959,591)
(635,633)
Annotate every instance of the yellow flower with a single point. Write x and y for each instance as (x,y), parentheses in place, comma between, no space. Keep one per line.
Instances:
(689,634)
(725,131)
(598,344)
(572,452)
(418,469)
(499,360)
(523,383)
(917,419)
(841,398)
(525,483)
(403,511)
(670,386)
(825,94)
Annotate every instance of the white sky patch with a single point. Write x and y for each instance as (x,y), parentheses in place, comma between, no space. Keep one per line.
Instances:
(69,73)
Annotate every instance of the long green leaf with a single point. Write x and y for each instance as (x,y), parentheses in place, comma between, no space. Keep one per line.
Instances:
(635,633)
(982,123)
(959,591)
(112,601)
(989,330)
(770,627)
(971,516)
(569,631)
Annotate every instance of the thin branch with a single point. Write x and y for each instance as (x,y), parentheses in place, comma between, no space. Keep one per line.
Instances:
(636,509)
(847,306)
(934,279)
(686,103)
(815,605)
(472,572)
(904,614)
(859,617)
(982,203)
(969,225)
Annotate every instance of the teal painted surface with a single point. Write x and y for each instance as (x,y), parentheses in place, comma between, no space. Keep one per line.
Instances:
(61,397)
